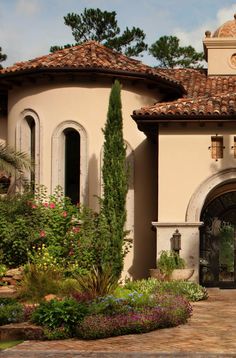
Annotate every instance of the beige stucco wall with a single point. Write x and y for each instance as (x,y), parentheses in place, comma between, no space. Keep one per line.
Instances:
(219,56)
(87,103)
(185,164)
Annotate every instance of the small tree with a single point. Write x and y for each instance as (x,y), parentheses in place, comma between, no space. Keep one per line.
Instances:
(170,54)
(115,183)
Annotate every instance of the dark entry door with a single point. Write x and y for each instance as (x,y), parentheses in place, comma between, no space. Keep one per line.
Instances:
(218,242)
(218,259)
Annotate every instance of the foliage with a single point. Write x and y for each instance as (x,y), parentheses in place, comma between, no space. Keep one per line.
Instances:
(69,287)
(3,270)
(190,290)
(57,333)
(19,228)
(14,164)
(54,314)
(112,305)
(149,286)
(175,311)
(3,57)
(101,26)
(226,250)
(10,311)
(98,282)
(169,261)
(169,53)
(30,223)
(39,281)
(115,184)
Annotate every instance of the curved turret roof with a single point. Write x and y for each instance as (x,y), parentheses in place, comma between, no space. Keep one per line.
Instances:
(228,29)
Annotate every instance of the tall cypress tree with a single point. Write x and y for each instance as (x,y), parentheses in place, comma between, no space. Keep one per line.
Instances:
(115,181)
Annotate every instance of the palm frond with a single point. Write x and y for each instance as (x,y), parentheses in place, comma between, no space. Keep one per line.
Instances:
(11,160)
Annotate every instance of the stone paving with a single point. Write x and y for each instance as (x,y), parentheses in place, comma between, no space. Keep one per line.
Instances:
(211,332)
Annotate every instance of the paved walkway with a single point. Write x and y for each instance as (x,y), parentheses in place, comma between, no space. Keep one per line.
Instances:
(211,332)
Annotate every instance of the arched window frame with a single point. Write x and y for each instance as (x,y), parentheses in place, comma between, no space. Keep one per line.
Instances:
(58,158)
(21,135)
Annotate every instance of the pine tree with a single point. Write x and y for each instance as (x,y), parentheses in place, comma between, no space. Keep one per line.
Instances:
(169,53)
(3,57)
(115,181)
(102,26)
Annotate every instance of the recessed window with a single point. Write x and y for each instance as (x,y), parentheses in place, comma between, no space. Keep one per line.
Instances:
(72,164)
(217,147)
(31,144)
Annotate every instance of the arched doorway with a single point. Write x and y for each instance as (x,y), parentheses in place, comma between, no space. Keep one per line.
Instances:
(218,237)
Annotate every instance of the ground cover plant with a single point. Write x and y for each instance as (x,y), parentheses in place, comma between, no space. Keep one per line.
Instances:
(190,290)
(110,316)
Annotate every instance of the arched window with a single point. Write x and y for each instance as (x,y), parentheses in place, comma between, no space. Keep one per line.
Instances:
(28,141)
(69,161)
(72,165)
(31,142)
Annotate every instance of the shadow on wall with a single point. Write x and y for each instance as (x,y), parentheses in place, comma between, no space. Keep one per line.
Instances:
(93,183)
(145,209)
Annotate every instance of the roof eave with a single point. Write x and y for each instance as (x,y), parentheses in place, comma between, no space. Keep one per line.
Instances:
(176,87)
(152,119)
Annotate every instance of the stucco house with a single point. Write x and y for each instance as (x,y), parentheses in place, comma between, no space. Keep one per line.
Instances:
(180,131)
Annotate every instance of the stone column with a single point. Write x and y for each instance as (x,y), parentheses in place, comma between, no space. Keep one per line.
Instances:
(190,242)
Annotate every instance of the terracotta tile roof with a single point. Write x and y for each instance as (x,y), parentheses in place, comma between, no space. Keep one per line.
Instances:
(88,56)
(214,95)
(221,105)
(197,83)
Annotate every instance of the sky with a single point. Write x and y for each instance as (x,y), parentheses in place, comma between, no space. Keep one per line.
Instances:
(29,27)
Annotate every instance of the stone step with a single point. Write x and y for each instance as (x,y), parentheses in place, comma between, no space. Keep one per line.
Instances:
(7,291)
(20,331)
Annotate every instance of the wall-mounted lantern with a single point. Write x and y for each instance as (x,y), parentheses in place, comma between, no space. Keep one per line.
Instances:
(176,241)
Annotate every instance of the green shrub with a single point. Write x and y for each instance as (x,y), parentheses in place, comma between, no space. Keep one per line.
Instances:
(56,333)
(38,282)
(18,229)
(148,286)
(55,314)
(191,290)
(169,261)
(3,270)
(100,281)
(10,311)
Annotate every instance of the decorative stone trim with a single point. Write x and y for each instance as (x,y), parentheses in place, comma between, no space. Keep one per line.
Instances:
(197,200)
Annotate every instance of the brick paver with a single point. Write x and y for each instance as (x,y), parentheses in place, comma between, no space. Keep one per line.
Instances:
(211,332)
